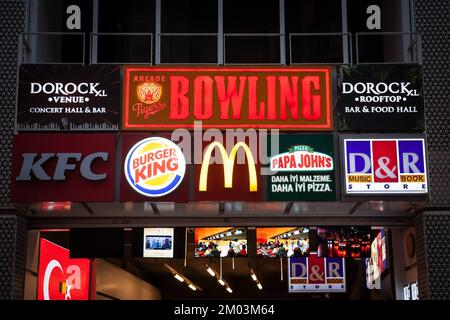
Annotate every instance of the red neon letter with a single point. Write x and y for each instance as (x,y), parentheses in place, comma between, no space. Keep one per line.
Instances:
(271,97)
(230,93)
(311,111)
(203,97)
(289,95)
(179,103)
(253,113)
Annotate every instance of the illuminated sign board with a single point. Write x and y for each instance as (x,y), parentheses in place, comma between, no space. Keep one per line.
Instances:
(63,167)
(215,175)
(378,97)
(166,98)
(68,97)
(59,277)
(228,165)
(314,274)
(384,165)
(304,170)
(154,167)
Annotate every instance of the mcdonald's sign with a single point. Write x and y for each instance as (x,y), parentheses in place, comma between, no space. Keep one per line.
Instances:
(237,181)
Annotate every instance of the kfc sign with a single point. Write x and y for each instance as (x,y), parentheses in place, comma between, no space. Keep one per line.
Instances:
(385,165)
(283,98)
(59,277)
(314,274)
(66,167)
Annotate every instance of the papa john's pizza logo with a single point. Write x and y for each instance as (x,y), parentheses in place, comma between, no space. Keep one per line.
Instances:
(149,92)
(154,167)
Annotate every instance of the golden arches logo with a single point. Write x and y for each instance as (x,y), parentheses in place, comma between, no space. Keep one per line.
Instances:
(228,166)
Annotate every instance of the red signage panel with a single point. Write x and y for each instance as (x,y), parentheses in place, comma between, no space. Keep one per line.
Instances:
(166,98)
(59,277)
(63,167)
(228,173)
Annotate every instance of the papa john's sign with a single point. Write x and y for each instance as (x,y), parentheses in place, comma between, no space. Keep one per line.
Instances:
(384,164)
(163,98)
(59,277)
(63,167)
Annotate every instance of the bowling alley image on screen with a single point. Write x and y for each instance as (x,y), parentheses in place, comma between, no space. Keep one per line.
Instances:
(282,242)
(227,242)
(343,242)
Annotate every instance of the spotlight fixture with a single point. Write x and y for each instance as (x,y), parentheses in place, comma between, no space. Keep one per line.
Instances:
(192,287)
(254,277)
(216,274)
(178,277)
(210,271)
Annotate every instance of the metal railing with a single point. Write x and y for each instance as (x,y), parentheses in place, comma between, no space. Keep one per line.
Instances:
(410,52)
(345,43)
(94,48)
(30,50)
(268,47)
(190,37)
(282,53)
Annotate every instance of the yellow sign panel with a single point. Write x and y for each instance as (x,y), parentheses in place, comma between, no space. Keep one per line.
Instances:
(228,165)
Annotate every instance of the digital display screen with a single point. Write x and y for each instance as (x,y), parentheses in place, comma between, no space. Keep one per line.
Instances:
(344,242)
(226,242)
(282,242)
(158,242)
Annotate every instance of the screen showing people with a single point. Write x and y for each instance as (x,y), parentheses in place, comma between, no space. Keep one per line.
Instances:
(282,242)
(227,242)
(343,242)
(377,263)
(158,242)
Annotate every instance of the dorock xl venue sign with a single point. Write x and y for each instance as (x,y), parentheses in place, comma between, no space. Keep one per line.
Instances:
(166,98)
(384,164)
(68,98)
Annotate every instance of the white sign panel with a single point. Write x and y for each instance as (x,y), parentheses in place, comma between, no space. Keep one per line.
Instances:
(385,166)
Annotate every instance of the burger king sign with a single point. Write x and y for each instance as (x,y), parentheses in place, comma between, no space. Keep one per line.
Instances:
(154,167)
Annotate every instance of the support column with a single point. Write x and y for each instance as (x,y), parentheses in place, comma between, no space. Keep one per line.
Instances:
(433,254)
(282,34)
(158,32)
(13,237)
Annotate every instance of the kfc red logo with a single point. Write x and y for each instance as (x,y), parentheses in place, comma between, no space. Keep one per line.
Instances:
(61,278)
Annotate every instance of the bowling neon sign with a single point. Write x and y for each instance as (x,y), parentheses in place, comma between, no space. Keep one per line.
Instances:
(374,166)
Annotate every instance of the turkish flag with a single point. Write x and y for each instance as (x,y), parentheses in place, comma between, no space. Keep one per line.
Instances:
(59,277)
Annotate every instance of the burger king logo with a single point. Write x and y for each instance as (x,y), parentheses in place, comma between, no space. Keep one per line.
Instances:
(155,167)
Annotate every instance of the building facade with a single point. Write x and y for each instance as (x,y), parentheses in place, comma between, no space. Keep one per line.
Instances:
(229,33)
